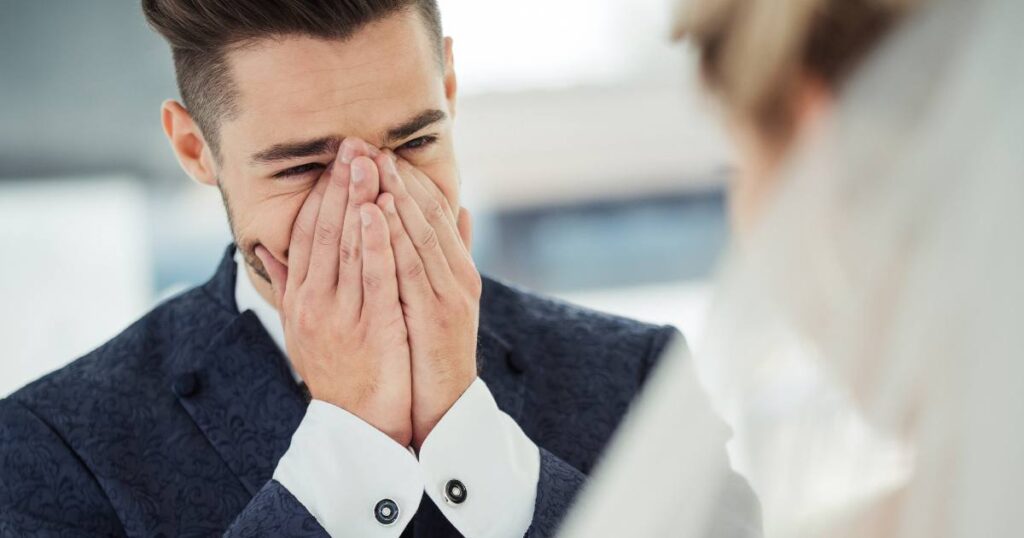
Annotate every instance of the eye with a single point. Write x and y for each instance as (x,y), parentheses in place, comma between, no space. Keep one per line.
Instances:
(299,170)
(418,143)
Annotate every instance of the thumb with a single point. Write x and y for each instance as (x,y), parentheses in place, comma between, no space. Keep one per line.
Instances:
(278,274)
(465,226)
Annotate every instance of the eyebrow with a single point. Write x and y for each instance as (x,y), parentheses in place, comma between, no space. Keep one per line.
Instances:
(296,150)
(411,127)
(330,144)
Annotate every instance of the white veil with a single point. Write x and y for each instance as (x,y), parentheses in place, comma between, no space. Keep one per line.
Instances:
(867,341)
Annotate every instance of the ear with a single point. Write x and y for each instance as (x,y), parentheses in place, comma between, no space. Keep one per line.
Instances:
(194,154)
(451,85)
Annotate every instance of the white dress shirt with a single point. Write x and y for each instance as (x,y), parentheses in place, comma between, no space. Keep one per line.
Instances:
(477,465)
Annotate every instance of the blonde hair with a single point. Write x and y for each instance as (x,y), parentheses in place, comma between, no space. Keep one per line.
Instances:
(754,52)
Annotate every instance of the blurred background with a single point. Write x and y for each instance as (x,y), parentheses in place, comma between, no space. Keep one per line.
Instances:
(591,161)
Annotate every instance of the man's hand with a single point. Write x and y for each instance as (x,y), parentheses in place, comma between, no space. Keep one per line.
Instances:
(338,298)
(439,287)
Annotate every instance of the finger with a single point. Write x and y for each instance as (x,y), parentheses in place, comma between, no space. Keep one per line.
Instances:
(323,261)
(364,188)
(425,187)
(424,237)
(302,235)
(413,285)
(438,212)
(352,148)
(380,285)
(466,228)
(277,272)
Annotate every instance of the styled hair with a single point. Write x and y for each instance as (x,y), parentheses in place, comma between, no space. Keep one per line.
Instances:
(202,32)
(753,53)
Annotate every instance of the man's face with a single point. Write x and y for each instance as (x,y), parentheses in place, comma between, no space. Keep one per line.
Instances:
(301,96)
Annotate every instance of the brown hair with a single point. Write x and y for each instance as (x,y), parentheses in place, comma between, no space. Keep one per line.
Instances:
(754,52)
(202,32)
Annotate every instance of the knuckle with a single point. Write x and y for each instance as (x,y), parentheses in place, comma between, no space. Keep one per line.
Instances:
(326,234)
(348,253)
(300,228)
(428,239)
(436,195)
(372,281)
(436,211)
(415,270)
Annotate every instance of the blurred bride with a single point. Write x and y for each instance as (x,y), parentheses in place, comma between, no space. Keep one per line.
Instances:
(867,341)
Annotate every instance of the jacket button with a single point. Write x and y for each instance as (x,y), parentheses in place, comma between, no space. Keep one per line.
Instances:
(455,492)
(386,512)
(516,362)
(186,385)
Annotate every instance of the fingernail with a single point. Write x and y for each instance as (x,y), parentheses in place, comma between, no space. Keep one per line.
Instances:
(348,153)
(358,172)
(364,215)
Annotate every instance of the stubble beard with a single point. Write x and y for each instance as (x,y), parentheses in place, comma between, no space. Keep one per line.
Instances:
(246,246)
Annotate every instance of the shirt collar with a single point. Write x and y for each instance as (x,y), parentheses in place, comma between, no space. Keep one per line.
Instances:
(247,298)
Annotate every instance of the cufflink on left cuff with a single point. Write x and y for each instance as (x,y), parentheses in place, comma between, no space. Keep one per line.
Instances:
(455,492)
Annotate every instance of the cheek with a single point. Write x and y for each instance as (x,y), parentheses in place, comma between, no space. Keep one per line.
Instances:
(263,212)
(280,221)
(271,221)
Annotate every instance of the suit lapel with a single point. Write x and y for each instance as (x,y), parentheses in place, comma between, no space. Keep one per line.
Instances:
(233,382)
(499,366)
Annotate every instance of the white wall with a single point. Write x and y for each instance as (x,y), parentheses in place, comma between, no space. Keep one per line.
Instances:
(74,272)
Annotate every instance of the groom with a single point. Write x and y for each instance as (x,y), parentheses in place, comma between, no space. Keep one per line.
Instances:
(346,371)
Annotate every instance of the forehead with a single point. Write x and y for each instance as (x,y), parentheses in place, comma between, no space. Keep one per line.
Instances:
(299,87)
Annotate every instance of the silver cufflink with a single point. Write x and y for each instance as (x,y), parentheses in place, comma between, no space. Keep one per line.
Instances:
(386,512)
(455,492)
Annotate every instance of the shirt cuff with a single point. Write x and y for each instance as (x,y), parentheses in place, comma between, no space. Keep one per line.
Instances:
(480,469)
(344,471)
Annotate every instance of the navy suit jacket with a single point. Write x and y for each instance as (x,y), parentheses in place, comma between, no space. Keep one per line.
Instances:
(175,426)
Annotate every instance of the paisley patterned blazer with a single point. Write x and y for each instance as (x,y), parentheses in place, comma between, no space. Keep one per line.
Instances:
(175,426)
